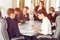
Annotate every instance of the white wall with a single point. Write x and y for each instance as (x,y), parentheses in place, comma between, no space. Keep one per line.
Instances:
(52,3)
(14,3)
(4,5)
(55,4)
(18,3)
(28,3)
(47,5)
(31,8)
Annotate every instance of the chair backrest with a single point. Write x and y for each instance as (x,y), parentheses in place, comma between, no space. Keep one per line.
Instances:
(56,34)
(57,12)
(3,29)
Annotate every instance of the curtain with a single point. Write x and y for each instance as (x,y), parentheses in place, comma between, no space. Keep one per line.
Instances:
(21,4)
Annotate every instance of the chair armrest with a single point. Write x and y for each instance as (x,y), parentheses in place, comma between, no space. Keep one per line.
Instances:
(22,38)
(43,36)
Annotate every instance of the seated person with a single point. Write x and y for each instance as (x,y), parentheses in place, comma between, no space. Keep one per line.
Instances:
(46,24)
(39,8)
(17,12)
(24,16)
(12,29)
(35,14)
(52,16)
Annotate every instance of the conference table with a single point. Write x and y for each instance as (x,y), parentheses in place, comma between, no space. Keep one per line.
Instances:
(26,28)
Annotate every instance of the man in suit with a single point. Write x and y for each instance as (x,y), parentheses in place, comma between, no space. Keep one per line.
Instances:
(24,15)
(12,28)
(52,16)
(17,11)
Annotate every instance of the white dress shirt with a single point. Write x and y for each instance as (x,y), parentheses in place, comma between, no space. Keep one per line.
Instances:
(39,8)
(46,26)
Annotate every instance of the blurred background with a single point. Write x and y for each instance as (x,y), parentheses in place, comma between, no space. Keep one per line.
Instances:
(5,4)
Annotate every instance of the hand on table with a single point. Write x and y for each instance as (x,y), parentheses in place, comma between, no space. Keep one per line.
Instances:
(36,29)
(19,24)
(21,20)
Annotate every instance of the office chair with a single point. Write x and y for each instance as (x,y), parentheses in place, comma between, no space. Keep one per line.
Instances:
(56,35)
(3,31)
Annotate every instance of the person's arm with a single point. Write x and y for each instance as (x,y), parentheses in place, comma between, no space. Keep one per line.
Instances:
(36,29)
(35,13)
(19,24)
(20,18)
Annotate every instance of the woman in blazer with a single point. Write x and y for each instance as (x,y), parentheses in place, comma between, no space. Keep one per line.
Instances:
(38,8)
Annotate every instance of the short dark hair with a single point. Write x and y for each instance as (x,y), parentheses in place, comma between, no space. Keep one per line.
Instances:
(17,9)
(52,9)
(36,8)
(26,7)
(42,2)
(10,11)
(42,12)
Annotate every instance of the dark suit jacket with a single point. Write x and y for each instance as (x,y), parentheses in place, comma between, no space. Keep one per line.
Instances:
(12,28)
(52,18)
(35,15)
(36,11)
(16,19)
(23,18)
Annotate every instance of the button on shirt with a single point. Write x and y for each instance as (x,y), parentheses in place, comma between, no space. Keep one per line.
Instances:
(46,26)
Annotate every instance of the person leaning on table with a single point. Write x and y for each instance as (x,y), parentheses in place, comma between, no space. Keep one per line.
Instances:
(17,11)
(52,16)
(24,15)
(12,28)
(46,24)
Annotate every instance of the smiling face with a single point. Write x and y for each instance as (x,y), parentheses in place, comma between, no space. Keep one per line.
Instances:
(41,3)
(25,10)
(51,10)
(12,15)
